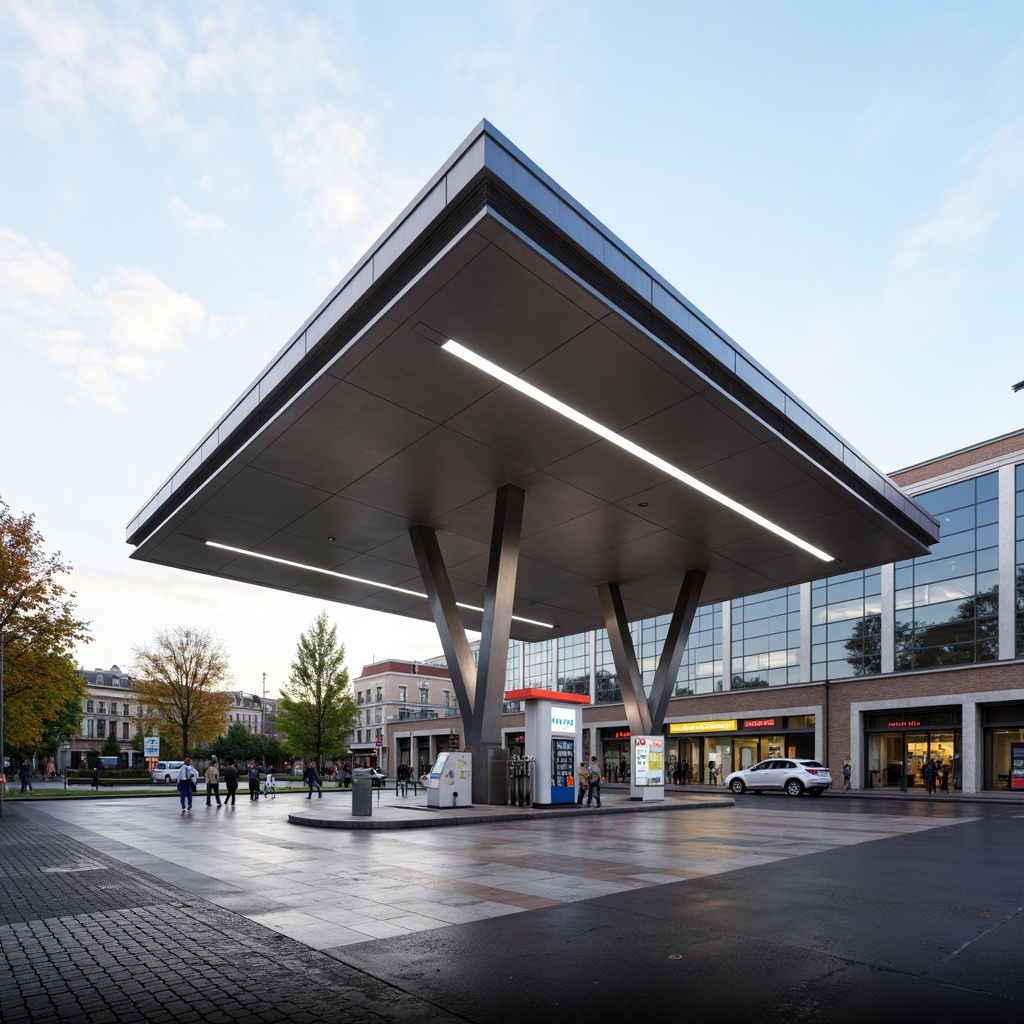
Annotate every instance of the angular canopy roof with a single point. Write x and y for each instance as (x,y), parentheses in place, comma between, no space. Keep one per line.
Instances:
(366,424)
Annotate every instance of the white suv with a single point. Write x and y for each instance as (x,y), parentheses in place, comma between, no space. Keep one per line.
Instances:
(166,771)
(793,775)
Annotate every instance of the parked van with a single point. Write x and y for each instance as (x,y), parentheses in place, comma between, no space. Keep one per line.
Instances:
(108,762)
(166,771)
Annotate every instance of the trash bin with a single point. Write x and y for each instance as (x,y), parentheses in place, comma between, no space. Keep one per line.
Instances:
(362,793)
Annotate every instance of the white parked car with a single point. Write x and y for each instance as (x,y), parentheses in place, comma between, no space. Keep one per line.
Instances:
(792,775)
(166,771)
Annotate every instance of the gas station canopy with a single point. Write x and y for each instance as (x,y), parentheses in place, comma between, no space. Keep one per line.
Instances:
(497,334)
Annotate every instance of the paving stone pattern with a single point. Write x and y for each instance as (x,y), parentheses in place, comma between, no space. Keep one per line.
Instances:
(88,939)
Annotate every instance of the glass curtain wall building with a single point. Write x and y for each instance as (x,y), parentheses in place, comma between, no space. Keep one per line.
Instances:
(882,665)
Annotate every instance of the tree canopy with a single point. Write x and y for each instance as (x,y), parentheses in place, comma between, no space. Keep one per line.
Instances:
(42,692)
(316,709)
(179,680)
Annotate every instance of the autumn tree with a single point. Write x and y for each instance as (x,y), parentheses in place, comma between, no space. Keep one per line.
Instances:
(316,708)
(179,680)
(39,626)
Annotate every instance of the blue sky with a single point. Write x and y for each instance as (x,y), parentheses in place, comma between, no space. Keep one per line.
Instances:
(839,186)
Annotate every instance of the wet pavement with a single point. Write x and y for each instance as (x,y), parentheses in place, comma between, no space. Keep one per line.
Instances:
(810,910)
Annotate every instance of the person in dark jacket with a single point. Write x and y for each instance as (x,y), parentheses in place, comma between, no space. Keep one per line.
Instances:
(254,781)
(230,783)
(313,779)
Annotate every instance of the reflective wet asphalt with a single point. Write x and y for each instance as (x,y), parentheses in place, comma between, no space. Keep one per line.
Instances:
(838,908)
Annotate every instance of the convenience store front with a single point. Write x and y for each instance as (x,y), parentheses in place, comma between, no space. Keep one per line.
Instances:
(721,746)
(900,744)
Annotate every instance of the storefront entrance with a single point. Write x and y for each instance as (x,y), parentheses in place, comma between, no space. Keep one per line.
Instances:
(899,746)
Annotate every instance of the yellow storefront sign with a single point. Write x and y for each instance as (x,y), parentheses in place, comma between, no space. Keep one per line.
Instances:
(719,725)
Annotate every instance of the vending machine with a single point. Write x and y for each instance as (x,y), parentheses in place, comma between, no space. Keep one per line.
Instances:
(450,781)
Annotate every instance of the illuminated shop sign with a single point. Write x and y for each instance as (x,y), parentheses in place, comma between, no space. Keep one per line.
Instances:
(621,734)
(758,723)
(719,725)
(905,723)
(517,737)
(563,721)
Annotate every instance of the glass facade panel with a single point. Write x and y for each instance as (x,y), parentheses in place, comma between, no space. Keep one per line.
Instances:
(537,665)
(947,610)
(766,639)
(574,664)
(700,671)
(606,678)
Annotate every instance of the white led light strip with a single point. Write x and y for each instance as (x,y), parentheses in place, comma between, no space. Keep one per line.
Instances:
(357,579)
(634,449)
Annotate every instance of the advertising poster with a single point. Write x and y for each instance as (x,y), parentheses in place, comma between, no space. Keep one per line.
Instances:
(648,760)
(151,746)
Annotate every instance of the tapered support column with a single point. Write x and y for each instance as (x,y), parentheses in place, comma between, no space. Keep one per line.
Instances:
(479,688)
(646,716)
(675,643)
(631,682)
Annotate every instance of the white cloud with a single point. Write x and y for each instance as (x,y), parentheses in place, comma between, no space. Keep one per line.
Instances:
(972,208)
(196,223)
(125,327)
(77,55)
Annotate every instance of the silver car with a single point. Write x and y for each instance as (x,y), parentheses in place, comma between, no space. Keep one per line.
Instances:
(792,775)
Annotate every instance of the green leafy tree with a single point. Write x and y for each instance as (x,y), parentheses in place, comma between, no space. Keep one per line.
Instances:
(242,745)
(316,709)
(40,629)
(179,680)
(111,747)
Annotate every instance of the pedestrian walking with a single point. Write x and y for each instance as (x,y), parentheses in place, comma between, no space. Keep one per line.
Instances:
(96,776)
(582,784)
(402,780)
(230,775)
(3,782)
(25,775)
(712,773)
(313,780)
(594,782)
(847,772)
(254,782)
(930,774)
(212,777)
(188,780)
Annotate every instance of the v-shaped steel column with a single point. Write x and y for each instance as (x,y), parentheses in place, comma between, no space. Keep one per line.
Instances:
(646,716)
(480,688)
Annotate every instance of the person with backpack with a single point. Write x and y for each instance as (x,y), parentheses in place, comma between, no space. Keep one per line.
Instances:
(254,781)
(847,773)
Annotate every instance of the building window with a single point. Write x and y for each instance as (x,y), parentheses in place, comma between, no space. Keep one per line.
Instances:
(91,727)
(88,707)
(947,602)
(359,736)
(124,731)
(574,664)
(101,728)
(101,707)
(403,692)
(99,680)
(766,639)
(424,694)
(846,625)
(113,729)
(537,664)
(124,710)
(446,698)
(377,712)
(606,677)
(380,693)
(700,671)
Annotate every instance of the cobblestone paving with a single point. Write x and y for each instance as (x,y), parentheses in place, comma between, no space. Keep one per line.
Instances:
(87,939)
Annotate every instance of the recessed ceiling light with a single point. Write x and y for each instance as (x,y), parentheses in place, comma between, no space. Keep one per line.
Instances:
(503,375)
(356,579)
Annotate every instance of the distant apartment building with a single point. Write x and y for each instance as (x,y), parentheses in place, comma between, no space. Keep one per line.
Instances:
(407,712)
(109,708)
(257,714)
